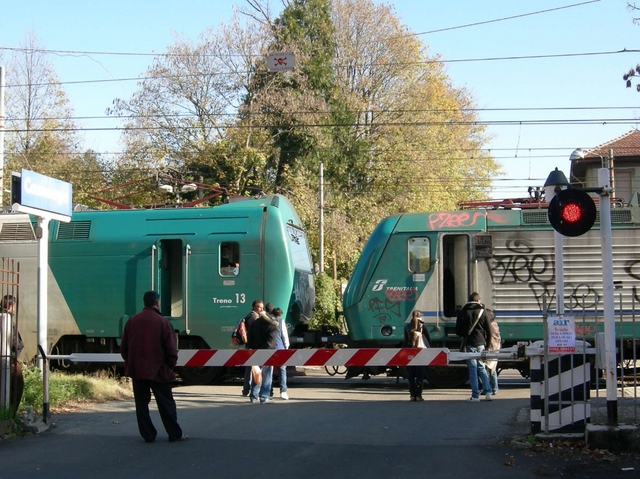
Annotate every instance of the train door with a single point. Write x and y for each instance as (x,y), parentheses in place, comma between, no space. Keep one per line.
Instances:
(455,272)
(169,271)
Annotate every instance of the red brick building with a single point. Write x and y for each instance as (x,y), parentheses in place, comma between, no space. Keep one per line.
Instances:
(621,156)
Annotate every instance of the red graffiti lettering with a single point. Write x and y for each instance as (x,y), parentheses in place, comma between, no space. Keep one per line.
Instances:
(453,220)
(586,330)
(401,295)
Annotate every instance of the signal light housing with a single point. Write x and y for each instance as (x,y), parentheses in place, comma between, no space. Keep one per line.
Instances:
(572,212)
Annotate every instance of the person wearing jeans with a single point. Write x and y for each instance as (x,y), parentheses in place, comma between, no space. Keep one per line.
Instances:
(282,342)
(473,326)
(477,370)
(262,335)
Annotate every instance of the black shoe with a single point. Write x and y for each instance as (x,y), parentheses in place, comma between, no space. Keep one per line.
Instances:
(245,393)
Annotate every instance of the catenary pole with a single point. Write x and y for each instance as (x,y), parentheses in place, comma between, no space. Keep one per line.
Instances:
(1,135)
(608,299)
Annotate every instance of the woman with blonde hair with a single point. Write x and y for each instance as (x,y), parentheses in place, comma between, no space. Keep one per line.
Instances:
(414,334)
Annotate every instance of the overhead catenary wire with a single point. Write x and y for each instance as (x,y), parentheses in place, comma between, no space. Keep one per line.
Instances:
(386,64)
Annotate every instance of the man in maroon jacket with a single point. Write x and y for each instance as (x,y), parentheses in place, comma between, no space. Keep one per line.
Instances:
(149,351)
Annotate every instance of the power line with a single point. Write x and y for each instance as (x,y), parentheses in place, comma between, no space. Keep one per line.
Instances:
(394,64)
(327,112)
(499,19)
(547,122)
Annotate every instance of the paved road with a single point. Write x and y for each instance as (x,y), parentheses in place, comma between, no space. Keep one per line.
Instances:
(331,427)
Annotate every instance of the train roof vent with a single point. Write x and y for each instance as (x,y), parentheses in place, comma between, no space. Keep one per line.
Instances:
(17,232)
(74,230)
(622,215)
(535,217)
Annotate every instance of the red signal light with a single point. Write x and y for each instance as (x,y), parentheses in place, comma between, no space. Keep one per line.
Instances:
(572,212)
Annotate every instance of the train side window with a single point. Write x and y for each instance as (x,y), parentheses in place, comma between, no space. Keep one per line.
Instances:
(229,259)
(419,249)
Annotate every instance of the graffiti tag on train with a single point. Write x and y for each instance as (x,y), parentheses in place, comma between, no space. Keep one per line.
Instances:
(632,268)
(522,265)
(438,221)
(383,309)
(401,293)
(396,293)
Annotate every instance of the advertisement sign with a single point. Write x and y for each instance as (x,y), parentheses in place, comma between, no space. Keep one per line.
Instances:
(562,334)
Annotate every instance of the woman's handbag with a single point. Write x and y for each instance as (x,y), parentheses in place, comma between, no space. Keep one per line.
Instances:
(418,340)
(256,372)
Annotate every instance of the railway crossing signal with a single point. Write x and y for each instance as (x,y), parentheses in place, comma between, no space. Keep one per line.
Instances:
(572,212)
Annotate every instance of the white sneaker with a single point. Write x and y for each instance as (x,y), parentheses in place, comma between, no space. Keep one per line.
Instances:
(284,395)
(472,399)
(487,397)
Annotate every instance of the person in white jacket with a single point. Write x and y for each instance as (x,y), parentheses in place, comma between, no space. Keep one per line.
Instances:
(282,342)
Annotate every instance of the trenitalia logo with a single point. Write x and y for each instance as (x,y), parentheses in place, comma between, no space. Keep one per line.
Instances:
(379,284)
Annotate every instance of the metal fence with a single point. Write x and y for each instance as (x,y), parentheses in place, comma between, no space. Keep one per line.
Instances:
(9,367)
(575,393)
(627,344)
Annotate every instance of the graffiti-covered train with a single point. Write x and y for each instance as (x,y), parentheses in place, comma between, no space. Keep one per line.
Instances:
(208,265)
(433,261)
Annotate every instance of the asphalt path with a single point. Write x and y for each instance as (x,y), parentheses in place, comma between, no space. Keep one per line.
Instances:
(331,427)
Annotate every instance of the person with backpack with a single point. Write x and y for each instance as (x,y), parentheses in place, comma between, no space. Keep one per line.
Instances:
(473,326)
(257,308)
(415,336)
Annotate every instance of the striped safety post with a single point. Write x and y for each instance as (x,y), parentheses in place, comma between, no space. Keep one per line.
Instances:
(560,404)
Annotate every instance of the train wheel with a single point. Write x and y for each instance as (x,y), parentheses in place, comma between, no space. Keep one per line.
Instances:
(446,377)
(333,370)
(199,375)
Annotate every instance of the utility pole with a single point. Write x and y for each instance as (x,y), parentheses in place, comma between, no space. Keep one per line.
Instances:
(321,225)
(1,135)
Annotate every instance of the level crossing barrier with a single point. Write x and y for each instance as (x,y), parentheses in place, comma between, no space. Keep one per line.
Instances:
(289,357)
(558,404)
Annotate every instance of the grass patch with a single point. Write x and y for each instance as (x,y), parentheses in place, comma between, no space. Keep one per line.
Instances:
(68,391)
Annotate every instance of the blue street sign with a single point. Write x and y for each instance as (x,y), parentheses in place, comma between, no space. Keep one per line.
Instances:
(45,193)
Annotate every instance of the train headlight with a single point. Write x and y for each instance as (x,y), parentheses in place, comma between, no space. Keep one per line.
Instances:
(386,330)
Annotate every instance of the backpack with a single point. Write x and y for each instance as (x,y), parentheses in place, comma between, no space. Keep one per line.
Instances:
(239,335)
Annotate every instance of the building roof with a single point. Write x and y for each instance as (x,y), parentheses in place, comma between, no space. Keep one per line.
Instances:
(627,145)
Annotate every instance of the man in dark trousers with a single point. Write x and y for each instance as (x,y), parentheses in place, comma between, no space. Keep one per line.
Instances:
(149,351)
(473,325)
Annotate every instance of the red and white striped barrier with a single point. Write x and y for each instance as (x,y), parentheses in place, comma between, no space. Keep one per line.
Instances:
(290,357)
(314,357)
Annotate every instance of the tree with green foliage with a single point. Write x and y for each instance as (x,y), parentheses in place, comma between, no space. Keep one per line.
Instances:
(366,99)
(326,304)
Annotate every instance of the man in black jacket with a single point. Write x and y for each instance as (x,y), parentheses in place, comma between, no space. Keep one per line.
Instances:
(262,335)
(473,325)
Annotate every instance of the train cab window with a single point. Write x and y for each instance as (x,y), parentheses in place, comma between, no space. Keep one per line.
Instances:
(229,259)
(419,250)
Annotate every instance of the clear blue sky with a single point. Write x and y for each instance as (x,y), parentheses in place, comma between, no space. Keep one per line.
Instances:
(527,152)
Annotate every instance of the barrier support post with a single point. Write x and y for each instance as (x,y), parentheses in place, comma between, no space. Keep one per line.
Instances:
(45,386)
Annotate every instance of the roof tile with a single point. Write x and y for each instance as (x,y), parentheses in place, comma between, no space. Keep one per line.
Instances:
(626,145)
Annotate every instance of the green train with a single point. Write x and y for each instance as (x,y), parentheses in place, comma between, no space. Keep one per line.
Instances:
(208,264)
(506,252)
